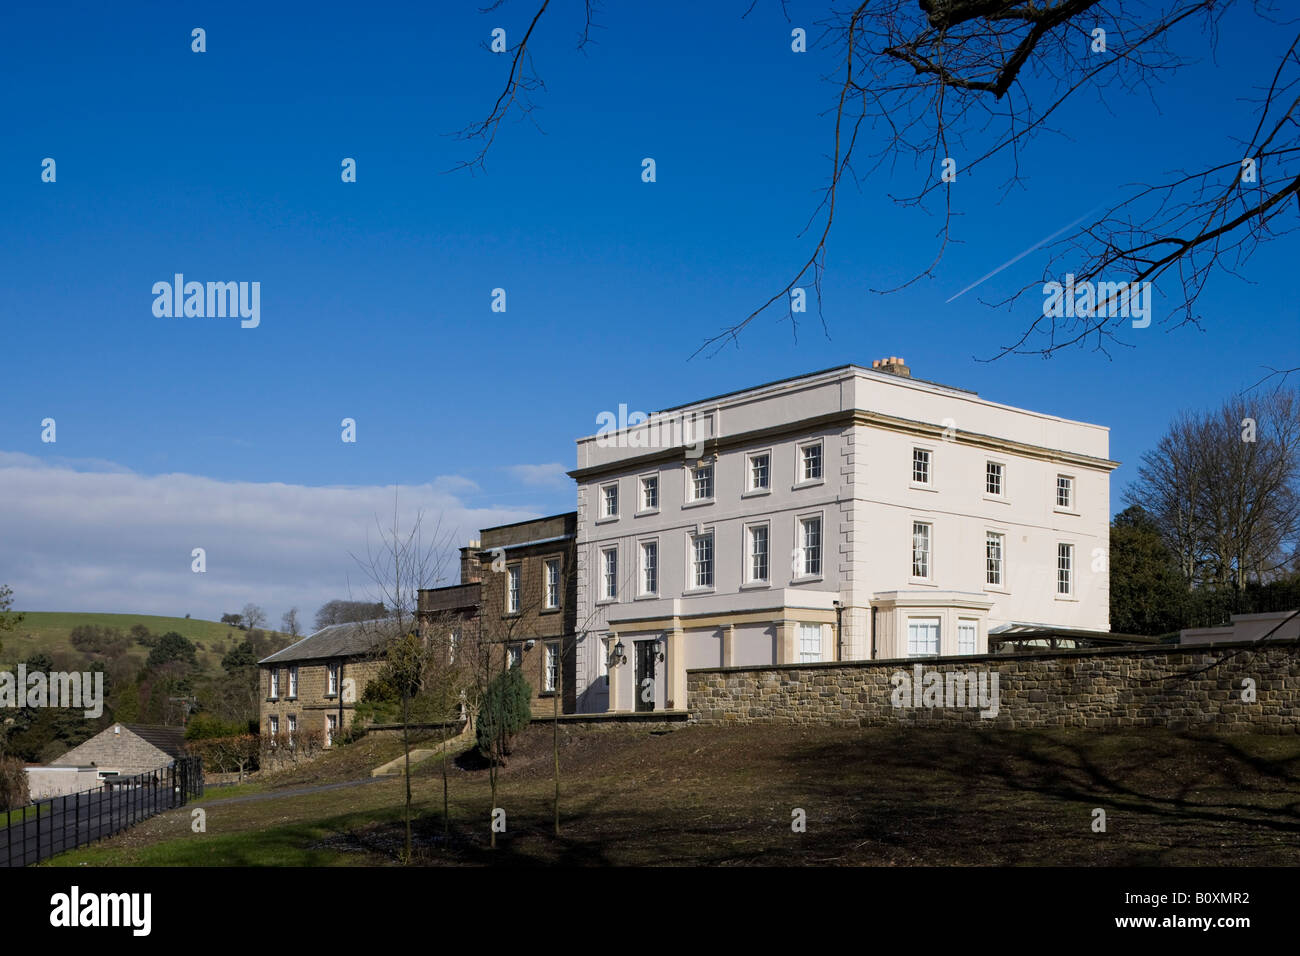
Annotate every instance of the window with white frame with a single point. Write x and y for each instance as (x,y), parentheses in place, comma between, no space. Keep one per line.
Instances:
(1064,491)
(993,559)
(967,632)
(331,727)
(609,573)
(332,679)
(922,636)
(810,461)
(293,682)
(810,643)
(810,544)
(649,492)
(921,534)
(760,472)
(273,727)
(649,567)
(701,488)
(993,478)
(551,678)
(513,575)
(275,682)
(453,645)
(609,500)
(702,560)
(920,466)
(293,729)
(552,583)
(1065,569)
(514,655)
(757,549)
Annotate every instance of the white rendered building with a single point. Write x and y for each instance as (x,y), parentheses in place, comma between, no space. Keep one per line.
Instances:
(847,514)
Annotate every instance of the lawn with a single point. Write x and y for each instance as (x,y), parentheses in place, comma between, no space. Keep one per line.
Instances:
(716,796)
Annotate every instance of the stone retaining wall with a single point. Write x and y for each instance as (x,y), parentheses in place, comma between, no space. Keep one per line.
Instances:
(1168,686)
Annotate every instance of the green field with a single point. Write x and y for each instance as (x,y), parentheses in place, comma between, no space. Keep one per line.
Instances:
(48,631)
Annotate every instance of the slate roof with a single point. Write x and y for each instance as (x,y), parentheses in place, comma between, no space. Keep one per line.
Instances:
(170,740)
(337,640)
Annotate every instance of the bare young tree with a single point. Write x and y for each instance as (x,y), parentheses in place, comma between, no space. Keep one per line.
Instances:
(289,623)
(399,566)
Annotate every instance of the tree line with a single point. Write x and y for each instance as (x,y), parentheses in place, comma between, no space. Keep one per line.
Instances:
(1212,526)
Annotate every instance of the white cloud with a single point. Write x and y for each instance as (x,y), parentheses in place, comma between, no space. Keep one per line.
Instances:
(549,476)
(102,538)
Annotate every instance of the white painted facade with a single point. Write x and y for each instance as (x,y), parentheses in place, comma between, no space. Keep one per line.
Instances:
(874,432)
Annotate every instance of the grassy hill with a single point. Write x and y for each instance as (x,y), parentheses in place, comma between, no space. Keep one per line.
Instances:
(49,631)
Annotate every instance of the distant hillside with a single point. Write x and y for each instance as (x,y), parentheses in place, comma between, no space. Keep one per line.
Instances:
(49,631)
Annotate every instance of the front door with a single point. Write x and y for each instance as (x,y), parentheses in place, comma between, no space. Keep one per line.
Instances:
(646,651)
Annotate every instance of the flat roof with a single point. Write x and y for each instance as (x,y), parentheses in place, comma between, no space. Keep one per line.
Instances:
(795,378)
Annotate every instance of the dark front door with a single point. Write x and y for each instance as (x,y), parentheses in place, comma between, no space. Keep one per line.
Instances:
(645,674)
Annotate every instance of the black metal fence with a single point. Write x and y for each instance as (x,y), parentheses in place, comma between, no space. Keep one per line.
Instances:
(41,829)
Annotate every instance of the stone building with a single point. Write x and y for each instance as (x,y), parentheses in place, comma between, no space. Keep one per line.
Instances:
(530,604)
(313,686)
(127,749)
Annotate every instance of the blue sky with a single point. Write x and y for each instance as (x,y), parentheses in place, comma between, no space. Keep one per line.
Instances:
(375,296)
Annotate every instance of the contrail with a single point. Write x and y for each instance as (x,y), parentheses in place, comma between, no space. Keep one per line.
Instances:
(1039,243)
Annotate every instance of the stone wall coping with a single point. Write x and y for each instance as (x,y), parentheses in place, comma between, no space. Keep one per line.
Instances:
(620,717)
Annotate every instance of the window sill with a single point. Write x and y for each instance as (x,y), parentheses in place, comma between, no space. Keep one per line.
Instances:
(607,519)
(999,499)
(647,597)
(807,578)
(923,582)
(1067,597)
(755,585)
(996,589)
(609,600)
(697,504)
(755,492)
(917,486)
(688,592)
(550,610)
(1065,511)
(645,512)
(808,483)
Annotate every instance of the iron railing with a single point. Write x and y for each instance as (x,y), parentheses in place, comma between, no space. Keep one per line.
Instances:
(45,827)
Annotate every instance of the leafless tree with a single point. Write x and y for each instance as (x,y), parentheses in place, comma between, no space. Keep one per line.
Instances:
(398,566)
(253,616)
(919,82)
(1224,488)
(289,623)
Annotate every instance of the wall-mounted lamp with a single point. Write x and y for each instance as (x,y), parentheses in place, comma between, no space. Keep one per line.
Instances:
(617,656)
(529,645)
